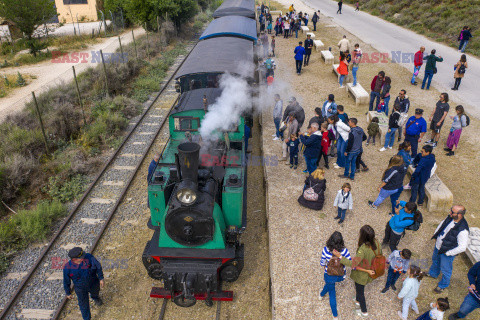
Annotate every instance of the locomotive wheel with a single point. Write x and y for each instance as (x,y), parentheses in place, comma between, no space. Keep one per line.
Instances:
(229,273)
(183,302)
(155,271)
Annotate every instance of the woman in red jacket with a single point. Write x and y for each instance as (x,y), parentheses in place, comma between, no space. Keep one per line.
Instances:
(342,68)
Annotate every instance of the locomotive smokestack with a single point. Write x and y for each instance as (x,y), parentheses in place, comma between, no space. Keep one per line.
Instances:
(188,158)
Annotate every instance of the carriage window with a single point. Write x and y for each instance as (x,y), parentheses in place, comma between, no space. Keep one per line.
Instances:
(195,84)
(213,81)
(186,123)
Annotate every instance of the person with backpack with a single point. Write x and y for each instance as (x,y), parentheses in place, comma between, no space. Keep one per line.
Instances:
(392,128)
(465,35)
(430,68)
(404,102)
(460,69)
(392,181)
(313,195)
(398,262)
(334,271)
(460,121)
(343,201)
(368,264)
(423,163)
(405,215)
(270,67)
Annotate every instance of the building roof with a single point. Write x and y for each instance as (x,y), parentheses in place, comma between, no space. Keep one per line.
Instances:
(218,55)
(231,26)
(193,99)
(245,8)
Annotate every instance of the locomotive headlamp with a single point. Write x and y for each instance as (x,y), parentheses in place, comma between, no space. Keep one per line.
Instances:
(186,196)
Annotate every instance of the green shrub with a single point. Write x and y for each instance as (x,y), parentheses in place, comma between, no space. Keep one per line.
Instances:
(65,191)
(4,263)
(34,225)
(9,235)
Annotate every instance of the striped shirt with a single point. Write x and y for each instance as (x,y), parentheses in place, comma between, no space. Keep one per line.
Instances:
(327,255)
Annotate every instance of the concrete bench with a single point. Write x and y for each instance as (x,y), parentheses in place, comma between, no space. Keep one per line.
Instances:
(382,124)
(473,248)
(276,13)
(439,197)
(311,34)
(318,44)
(334,69)
(305,29)
(360,95)
(327,56)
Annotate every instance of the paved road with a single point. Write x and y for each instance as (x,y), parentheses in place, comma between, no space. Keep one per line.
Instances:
(387,37)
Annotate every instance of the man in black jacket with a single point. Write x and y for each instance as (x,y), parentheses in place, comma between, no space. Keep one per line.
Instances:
(472,300)
(451,239)
(294,106)
(404,102)
(354,147)
(308,50)
(317,119)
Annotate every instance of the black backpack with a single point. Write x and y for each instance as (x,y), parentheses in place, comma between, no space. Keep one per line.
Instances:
(461,69)
(417,221)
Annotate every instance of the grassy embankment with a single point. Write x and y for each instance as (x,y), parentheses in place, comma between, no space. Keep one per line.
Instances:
(440,20)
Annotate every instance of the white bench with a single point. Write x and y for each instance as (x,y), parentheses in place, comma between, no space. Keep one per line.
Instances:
(358,93)
(327,56)
(473,248)
(382,124)
(276,13)
(439,197)
(335,67)
(318,44)
(311,34)
(305,29)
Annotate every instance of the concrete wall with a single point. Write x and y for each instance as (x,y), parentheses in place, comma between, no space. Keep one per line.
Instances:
(89,11)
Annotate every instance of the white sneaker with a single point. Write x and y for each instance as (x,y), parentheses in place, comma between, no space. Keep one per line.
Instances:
(336,166)
(274,135)
(276,138)
(360,313)
(383,149)
(390,148)
(401,315)
(341,87)
(407,187)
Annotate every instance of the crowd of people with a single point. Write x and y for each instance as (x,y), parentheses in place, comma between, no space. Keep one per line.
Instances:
(331,134)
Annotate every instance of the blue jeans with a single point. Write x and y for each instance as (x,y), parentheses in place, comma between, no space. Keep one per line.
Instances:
(374,95)
(463,45)
(296,33)
(341,213)
(298,64)
(351,163)
(394,197)
(469,304)
(413,142)
(329,288)
(277,126)
(383,195)
(428,75)
(340,80)
(341,146)
(386,100)
(311,164)
(392,277)
(354,74)
(415,69)
(444,264)
(417,189)
(390,138)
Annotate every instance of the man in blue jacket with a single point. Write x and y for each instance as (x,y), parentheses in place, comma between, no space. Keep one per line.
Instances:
(299,53)
(415,129)
(423,164)
(354,147)
(86,273)
(472,300)
(313,146)
(329,107)
(395,227)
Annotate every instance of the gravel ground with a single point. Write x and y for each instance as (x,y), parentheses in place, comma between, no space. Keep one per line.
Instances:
(126,294)
(297,235)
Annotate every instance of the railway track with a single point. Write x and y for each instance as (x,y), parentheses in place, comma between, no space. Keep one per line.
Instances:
(163,310)
(37,292)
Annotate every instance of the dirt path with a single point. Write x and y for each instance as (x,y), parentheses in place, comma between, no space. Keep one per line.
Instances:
(297,235)
(50,74)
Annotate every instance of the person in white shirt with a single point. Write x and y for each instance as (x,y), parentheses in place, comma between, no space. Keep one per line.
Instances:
(451,239)
(344,44)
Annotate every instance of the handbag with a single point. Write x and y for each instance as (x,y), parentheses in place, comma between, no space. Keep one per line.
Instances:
(309,194)
(283,126)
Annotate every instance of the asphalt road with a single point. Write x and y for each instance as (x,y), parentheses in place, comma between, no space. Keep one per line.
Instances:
(387,37)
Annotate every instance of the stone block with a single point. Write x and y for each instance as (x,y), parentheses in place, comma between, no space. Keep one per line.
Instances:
(327,56)
(360,95)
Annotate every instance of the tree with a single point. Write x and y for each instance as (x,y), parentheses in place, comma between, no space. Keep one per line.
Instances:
(27,15)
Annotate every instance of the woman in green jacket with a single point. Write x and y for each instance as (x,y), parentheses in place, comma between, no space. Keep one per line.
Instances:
(368,248)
